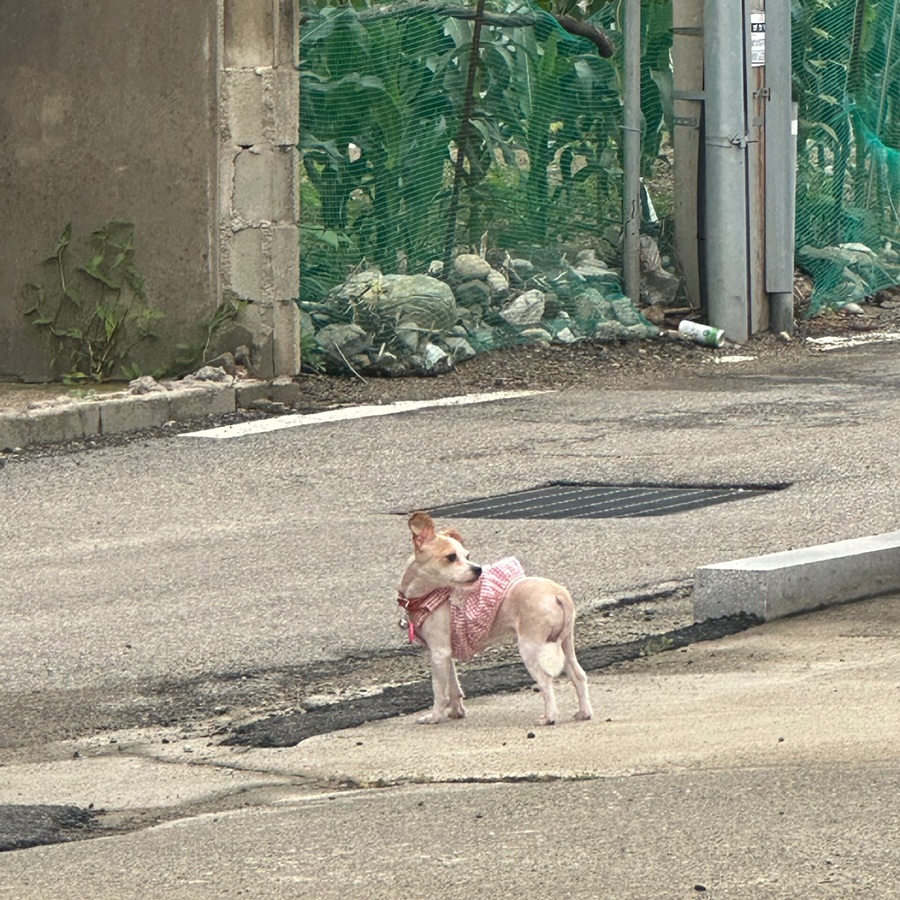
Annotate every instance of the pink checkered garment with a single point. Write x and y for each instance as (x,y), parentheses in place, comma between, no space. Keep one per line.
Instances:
(472,612)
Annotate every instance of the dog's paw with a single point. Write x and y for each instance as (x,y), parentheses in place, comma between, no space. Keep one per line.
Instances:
(458,713)
(582,716)
(430,719)
(546,721)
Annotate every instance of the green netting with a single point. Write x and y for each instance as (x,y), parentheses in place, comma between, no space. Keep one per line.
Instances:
(846,70)
(418,157)
(496,183)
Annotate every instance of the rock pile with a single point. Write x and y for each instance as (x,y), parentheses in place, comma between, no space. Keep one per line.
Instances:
(847,273)
(385,324)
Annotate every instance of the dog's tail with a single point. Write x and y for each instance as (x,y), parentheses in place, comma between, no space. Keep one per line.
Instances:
(552,659)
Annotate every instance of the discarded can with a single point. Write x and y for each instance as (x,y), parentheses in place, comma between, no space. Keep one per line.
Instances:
(702,334)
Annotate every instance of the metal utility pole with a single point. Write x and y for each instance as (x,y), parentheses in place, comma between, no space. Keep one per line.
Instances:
(781,160)
(631,197)
(750,159)
(727,235)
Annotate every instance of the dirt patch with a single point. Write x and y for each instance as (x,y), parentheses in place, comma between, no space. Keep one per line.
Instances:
(666,360)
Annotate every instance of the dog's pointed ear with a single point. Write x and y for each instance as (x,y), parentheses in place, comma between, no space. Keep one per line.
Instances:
(453,533)
(422,527)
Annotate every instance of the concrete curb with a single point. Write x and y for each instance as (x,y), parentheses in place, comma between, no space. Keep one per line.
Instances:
(780,584)
(60,421)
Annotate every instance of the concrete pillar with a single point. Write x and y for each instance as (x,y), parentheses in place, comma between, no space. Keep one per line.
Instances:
(258,176)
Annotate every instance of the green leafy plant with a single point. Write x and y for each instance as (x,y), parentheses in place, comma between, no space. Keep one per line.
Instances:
(96,313)
(657,645)
(846,71)
(326,256)
(846,74)
(192,354)
(558,111)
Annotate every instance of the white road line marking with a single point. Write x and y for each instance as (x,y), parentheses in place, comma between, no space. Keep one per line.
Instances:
(277,423)
(841,343)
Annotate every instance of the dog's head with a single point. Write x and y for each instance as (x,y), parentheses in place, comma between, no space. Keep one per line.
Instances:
(441,558)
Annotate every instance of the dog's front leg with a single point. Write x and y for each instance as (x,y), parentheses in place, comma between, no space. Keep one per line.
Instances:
(442,676)
(435,632)
(457,710)
(447,690)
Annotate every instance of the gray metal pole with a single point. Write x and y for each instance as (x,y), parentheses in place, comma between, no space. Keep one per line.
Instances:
(631,156)
(781,155)
(687,65)
(727,255)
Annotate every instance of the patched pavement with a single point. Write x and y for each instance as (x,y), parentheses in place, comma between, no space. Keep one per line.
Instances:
(763,764)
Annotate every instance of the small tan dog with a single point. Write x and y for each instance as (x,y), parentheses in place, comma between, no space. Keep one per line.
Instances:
(455,608)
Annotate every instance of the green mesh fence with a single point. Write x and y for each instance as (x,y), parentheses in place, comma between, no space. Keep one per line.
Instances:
(846,70)
(455,201)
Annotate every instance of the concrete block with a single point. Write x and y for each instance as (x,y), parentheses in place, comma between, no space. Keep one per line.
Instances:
(263,107)
(257,321)
(90,417)
(246,392)
(14,432)
(285,262)
(244,90)
(133,413)
(247,258)
(286,344)
(55,424)
(792,581)
(285,390)
(249,33)
(202,400)
(263,185)
(50,425)
(285,99)
(285,46)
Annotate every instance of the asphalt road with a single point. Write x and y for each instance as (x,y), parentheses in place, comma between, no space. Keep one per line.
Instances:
(132,573)
(187,558)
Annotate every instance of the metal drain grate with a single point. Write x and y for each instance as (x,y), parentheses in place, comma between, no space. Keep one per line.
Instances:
(596,501)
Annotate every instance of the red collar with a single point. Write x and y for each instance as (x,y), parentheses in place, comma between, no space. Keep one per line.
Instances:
(419,608)
(419,604)
(413,604)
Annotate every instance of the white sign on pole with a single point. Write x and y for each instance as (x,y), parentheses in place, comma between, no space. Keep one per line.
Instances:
(757,39)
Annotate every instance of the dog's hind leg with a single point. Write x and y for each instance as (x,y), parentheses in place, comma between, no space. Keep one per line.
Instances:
(534,657)
(578,679)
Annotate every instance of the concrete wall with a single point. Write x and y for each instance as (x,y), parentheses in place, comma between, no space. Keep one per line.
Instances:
(172,115)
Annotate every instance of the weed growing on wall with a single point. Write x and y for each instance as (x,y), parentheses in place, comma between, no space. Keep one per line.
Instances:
(192,354)
(96,313)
